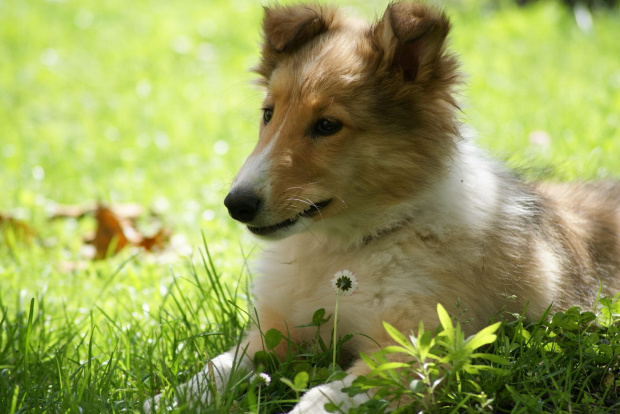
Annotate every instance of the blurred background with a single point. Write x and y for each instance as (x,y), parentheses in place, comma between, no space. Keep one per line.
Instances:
(150,102)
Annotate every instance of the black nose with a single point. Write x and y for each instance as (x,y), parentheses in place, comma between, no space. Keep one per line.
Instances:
(242,206)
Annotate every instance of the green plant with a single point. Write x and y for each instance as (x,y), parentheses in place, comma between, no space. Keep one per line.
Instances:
(413,371)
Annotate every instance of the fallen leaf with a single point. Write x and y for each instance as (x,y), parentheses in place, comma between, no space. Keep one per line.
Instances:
(109,232)
(117,227)
(76,211)
(157,241)
(20,229)
(130,211)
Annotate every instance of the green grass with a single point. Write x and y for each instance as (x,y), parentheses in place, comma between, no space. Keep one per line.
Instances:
(150,102)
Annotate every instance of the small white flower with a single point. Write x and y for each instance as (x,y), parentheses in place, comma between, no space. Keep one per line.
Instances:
(345,282)
(261,380)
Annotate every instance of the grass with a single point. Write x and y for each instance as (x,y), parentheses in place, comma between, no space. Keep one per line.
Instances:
(151,103)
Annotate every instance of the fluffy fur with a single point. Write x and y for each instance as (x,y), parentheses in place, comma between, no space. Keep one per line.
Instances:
(396,194)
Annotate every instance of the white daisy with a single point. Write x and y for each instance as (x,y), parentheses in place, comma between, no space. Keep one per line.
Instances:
(261,380)
(345,282)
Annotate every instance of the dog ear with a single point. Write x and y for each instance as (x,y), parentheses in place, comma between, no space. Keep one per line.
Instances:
(411,37)
(287,28)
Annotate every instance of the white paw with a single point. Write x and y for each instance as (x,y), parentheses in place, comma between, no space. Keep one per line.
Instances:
(198,391)
(152,404)
(313,401)
(195,393)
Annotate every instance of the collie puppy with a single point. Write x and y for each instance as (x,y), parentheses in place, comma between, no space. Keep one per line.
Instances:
(362,165)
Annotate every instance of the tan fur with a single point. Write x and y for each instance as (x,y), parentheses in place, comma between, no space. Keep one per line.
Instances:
(417,212)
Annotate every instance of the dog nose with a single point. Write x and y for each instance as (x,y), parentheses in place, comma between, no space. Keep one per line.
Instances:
(242,206)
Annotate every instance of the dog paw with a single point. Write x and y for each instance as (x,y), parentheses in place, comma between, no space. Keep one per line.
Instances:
(191,398)
(200,389)
(152,404)
(313,401)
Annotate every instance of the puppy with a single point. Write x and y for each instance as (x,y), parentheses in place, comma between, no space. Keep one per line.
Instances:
(361,164)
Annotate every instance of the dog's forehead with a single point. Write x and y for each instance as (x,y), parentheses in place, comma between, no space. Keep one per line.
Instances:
(334,59)
(332,62)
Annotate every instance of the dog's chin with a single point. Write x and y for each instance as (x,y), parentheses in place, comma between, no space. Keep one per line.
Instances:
(290,226)
(281,230)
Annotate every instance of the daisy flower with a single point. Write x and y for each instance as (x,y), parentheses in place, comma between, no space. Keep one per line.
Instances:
(261,380)
(345,282)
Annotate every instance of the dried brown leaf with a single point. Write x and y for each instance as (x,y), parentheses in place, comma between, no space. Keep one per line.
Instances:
(116,229)
(129,211)
(20,229)
(75,211)
(109,232)
(156,242)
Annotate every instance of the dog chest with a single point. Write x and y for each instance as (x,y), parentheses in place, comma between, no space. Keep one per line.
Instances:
(294,281)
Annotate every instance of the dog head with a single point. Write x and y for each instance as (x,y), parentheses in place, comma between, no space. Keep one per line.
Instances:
(357,118)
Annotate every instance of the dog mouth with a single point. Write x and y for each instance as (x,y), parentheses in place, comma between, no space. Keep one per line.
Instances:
(313,210)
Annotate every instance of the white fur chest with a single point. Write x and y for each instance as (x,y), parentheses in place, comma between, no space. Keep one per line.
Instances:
(294,280)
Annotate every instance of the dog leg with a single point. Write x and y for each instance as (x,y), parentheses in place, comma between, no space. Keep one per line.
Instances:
(197,391)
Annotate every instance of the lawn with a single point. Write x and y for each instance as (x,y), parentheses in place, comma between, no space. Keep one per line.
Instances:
(151,102)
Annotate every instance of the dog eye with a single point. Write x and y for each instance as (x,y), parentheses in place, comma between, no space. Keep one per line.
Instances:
(267,115)
(326,126)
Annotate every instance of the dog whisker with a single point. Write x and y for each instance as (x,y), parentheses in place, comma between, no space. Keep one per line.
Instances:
(342,201)
(307,201)
(302,186)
